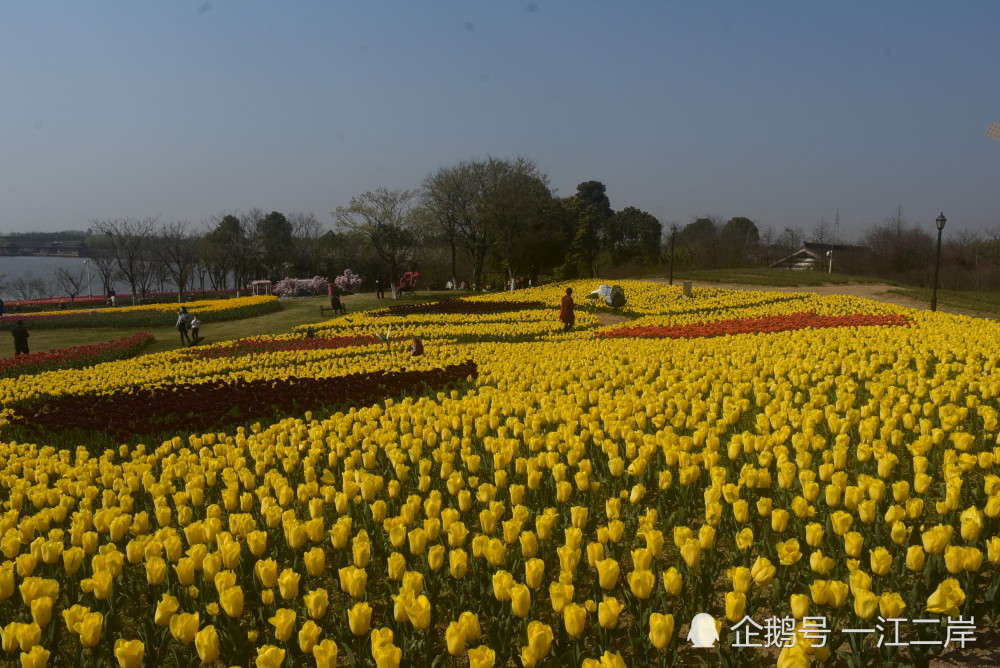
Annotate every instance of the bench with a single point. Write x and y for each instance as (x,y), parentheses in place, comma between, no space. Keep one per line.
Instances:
(323,309)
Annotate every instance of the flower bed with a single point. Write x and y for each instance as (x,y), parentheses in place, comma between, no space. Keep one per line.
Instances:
(458,306)
(148,315)
(262,345)
(766,324)
(217,404)
(74,357)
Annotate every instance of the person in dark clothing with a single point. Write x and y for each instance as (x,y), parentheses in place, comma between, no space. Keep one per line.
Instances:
(20,338)
(337,305)
(1,308)
(566,310)
(183,325)
(379,288)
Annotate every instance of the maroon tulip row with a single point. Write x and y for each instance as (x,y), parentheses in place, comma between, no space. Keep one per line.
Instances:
(764,324)
(206,407)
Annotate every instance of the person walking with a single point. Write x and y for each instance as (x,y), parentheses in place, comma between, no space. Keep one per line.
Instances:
(183,324)
(566,310)
(20,338)
(195,326)
(379,288)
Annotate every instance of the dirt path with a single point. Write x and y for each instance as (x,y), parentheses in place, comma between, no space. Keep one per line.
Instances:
(876,291)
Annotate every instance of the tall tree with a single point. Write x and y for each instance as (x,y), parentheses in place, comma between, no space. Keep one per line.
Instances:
(636,236)
(235,238)
(699,241)
(177,249)
(306,232)
(594,229)
(275,235)
(131,240)
(70,283)
(740,241)
(516,209)
(385,217)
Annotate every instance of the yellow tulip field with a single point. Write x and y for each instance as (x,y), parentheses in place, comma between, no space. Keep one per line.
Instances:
(819,475)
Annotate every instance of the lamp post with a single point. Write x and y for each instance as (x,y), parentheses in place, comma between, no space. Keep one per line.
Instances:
(941,220)
(829,254)
(90,289)
(673,234)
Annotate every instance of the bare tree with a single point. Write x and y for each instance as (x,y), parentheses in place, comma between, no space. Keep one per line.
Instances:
(306,231)
(132,240)
(69,283)
(26,288)
(822,233)
(177,249)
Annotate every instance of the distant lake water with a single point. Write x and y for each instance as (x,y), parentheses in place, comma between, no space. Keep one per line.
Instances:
(45,268)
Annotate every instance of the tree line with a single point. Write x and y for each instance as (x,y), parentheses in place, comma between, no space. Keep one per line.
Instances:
(493,223)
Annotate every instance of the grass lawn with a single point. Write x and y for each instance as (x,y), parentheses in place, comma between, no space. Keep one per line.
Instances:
(986,302)
(297,311)
(765,276)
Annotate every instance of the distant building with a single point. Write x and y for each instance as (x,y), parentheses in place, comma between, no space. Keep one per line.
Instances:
(813,256)
(39,245)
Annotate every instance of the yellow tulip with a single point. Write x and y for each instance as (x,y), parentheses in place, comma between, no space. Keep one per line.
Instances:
(691,552)
(206,642)
(458,563)
(799,605)
(317,602)
(608,611)
(129,653)
(736,603)
(288,584)
(257,542)
(881,560)
(520,600)
(309,636)
(915,558)
(608,571)
(184,626)
(482,657)
(574,619)
(165,610)
(283,623)
(673,582)
(315,560)
(762,571)
(788,552)
(641,583)
(455,639)
(946,599)
(353,581)
(30,635)
(891,605)
(419,612)
(661,630)
(37,657)
(266,571)
(325,653)
(865,604)
(41,610)
(936,539)
(269,656)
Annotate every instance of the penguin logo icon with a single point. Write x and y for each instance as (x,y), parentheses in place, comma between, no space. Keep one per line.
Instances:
(703,632)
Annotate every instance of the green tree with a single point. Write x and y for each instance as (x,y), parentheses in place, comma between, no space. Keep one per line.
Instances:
(636,236)
(593,231)
(275,236)
(386,218)
(740,240)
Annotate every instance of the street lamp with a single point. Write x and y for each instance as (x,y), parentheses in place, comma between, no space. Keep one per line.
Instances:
(941,220)
(829,254)
(673,235)
(90,289)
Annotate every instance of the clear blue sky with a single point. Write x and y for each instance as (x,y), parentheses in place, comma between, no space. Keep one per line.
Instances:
(782,112)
